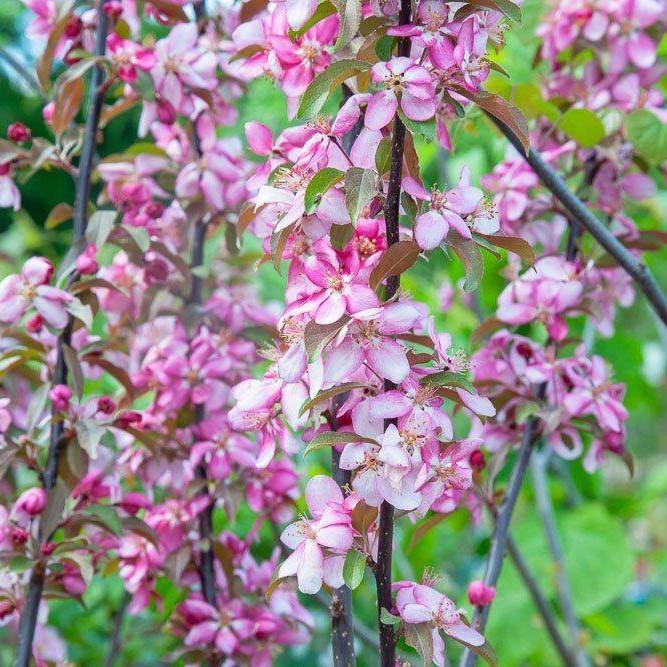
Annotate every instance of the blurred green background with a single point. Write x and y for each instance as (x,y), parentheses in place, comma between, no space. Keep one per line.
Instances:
(614,529)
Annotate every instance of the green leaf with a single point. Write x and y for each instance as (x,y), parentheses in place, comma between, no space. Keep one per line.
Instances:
(583,126)
(100,225)
(515,244)
(418,635)
(449,379)
(340,235)
(319,184)
(360,188)
(353,569)
(422,128)
(388,618)
(384,47)
(648,134)
(330,393)
(350,19)
(89,434)
(20,563)
(472,259)
(317,336)
(81,311)
(383,156)
(321,86)
(333,438)
(140,236)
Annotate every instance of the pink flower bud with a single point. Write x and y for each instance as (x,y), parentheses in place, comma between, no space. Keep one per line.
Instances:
(477,460)
(35,324)
(480,594)
(113,8)
(38,271)
(106,405)
(154,210)
(86,262)
(48,548)
(19,133)
(5,168)
(133,502)
(32,501)
(73,27)
(7,608)
(60,396)
(47,112)
(128,418)
(19,536)
(166,112)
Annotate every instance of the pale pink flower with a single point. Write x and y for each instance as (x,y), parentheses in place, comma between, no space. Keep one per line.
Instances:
(19,292)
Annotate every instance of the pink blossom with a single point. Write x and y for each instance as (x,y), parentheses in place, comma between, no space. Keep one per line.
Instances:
(319,544)
(129,57)
(404,78)
(31,502)
(10,197)
(60,396)
(19,292)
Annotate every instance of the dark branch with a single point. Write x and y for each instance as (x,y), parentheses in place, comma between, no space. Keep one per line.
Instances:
(56,441)
(115,644)
(546,511)
(499,542)
(391,220)
(582,215)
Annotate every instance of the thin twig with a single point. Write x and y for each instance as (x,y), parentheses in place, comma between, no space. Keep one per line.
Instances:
(546,511)
(50,477)
(638,271)
(391,221)
(499,542)
(116,634)
(206,566)
(540,602)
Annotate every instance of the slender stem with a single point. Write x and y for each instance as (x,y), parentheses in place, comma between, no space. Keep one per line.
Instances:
(342,646)
(579,212)
(499,541)
(546,511)
(540,602)
(116,634)
(28,619)
(391,220)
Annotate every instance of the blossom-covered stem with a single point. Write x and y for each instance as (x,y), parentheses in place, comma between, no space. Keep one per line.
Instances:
(36,584)
(119,618)
(637,270)
(540,602)
(545,508)
(499,542)
(391,218)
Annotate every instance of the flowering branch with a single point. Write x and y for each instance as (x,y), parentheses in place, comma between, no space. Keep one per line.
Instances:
(578,210)
(386,513)
(80,220)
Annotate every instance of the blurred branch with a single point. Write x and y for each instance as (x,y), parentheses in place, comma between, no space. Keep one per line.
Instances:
(541,603)
(581,214)
(499,541)
(115,646)
(545,508)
